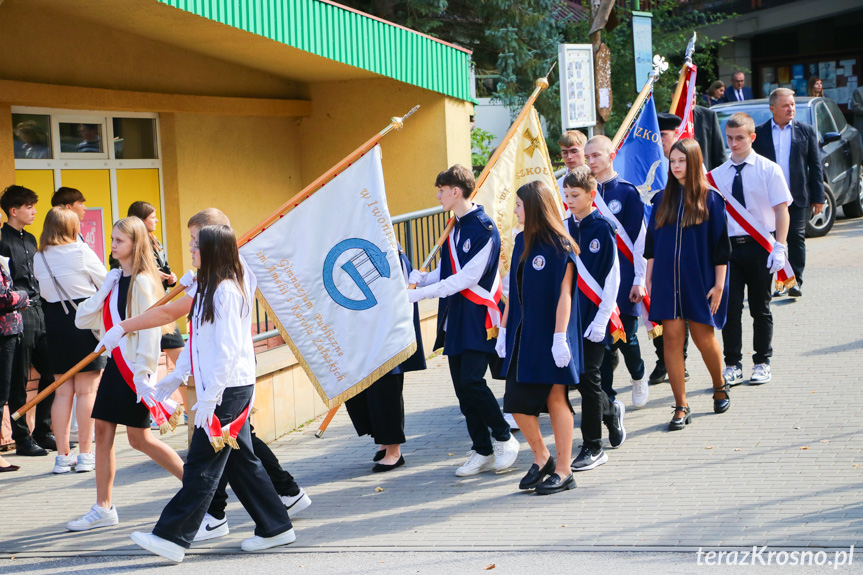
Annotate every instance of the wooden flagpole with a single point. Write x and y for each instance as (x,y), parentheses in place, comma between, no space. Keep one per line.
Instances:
(675,100)
(659,66)
(304,194)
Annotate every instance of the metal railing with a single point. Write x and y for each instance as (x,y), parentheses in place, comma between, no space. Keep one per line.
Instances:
(417,232)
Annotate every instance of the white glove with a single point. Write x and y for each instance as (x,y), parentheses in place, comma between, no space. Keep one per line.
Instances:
(596,331)
(500,346)
(111,280)
(166,387)
(776,259)
(417,277)
(204,410)
(111,339)
(144,390)
(188,279)
(415,295)
(560,350)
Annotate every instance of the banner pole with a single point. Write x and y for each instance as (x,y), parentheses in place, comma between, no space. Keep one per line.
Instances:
(659,66)
(675,100)
(304,194)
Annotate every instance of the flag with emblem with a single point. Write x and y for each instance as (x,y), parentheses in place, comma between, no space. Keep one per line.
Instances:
(640,158)
(523,160)
(333,282)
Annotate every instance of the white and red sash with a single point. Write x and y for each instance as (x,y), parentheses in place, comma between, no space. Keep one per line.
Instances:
(220,436)
(591,288)
(479,295)
(785,278)
(166,413)
(627,250)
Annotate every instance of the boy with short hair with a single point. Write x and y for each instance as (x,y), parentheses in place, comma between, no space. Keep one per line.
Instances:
(467,274)
(571,144)
(619,201)
(72,199)
(19,205)
(599,270)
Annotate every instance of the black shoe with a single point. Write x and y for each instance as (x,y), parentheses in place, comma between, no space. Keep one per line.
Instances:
(658,374)
(555,484)
(677,424)
(721,405)
(587,460)
(780,292)
(795,291)
(29,448)
(535,475)
(616,431)
(381,467)
(379,454)
(47,442)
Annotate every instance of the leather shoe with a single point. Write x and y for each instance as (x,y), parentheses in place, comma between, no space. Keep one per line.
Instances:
(381,467)
(678,423)
(535,475)
(9,467)
(29,449)
(555,484)
(47,442)
(721,405)
(795,291)
(658,374)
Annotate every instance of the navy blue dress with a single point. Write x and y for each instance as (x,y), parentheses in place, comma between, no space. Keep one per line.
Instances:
(684,260)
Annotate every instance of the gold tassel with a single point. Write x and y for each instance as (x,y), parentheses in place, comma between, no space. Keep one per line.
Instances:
(164,428)
(176,416)
(783,285)
(218,443)
(655,332)
(492,332)
(618,335)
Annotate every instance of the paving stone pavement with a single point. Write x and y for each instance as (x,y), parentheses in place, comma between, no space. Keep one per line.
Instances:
(782,468)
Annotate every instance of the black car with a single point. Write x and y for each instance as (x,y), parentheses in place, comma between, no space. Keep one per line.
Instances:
(841,154)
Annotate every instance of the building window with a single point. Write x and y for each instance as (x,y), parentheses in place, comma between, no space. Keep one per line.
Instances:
(83,137)
(31,136)
(135,138)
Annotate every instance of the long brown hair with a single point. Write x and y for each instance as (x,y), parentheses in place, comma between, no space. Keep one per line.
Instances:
(142,210)
(61,227)
(220,261)
(542,220)
(143,263)
(694,191)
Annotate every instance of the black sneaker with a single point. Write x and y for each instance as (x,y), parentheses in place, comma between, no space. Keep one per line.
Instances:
(795,291)
(587,460)
(614,424)
(658,374)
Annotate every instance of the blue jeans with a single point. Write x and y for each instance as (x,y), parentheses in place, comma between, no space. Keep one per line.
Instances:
(631,356)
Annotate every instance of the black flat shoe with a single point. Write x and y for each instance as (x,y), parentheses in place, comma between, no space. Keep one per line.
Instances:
(9,468)
(721,405)
(47,442)
(554,484)
(535,475)
(29,448)
(676,424)
(379,454)
(381,467)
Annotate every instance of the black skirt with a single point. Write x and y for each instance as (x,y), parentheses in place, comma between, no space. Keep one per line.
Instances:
(525,398)
(173,340)
(117,403)
(67,343)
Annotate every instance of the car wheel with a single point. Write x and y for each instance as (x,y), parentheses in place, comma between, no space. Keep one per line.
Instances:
(854,209)
(819,225)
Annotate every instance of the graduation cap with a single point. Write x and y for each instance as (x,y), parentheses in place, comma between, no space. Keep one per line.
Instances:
(668,121)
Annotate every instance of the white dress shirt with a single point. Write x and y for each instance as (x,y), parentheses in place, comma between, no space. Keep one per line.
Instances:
(782,147)
(763,188)
(76,267)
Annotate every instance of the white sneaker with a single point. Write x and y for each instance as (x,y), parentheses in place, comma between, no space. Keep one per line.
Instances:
(733,374)
(162,547)
(295,504)
(64,463)
(640,392)
(505,452)
(211,528)
(260,543)
(510,420)
(86,462)
(96,517)
(760,374)
(475,463)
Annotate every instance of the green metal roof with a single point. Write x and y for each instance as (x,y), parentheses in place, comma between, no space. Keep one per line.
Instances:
(347,36)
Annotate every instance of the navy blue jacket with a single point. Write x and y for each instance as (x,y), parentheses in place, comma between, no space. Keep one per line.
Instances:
(624,202)
(804,162)
(465,320)
(532,313)
(597,243)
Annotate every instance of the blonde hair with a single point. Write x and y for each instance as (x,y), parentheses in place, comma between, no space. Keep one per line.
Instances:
(61,227)
(572,138)
(143,263)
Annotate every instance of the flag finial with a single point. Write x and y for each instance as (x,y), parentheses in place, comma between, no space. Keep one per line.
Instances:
(690,48)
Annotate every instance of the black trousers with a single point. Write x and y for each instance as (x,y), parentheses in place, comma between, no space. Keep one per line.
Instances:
(659,346)
(748,271)
(797,239)
(476,401)
(204,467)
(8,343)
(379,411)
(282,480)
(595,405)
(32,349)
(631,356)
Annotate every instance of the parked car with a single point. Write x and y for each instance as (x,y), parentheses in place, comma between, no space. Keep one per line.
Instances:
(841,154)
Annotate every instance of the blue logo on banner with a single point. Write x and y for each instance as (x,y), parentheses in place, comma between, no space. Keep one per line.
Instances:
(370,259)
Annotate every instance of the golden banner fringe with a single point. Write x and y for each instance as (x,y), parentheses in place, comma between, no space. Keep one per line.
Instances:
(783,285)
(655,332)
(356,389)
(229,441)
(618,335)
(218,443)
(492,332)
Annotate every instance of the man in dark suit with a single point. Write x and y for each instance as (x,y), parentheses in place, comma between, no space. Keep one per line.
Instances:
(794,146)
(708,134)
(737,92)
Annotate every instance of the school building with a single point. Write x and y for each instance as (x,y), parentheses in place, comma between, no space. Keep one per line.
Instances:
(235,104)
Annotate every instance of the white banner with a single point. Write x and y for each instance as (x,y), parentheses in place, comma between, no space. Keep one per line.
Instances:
(329,271)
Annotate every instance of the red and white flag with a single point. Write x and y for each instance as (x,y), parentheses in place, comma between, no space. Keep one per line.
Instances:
(686,128)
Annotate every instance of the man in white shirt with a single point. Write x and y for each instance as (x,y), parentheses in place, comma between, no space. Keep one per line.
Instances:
(757,184)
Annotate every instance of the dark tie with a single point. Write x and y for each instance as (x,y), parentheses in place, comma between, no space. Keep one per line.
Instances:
(737,185)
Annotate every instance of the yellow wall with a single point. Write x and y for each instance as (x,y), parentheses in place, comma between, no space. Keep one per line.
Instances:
(96,187)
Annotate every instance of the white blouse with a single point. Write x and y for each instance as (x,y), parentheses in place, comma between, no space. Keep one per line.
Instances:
(76,267)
